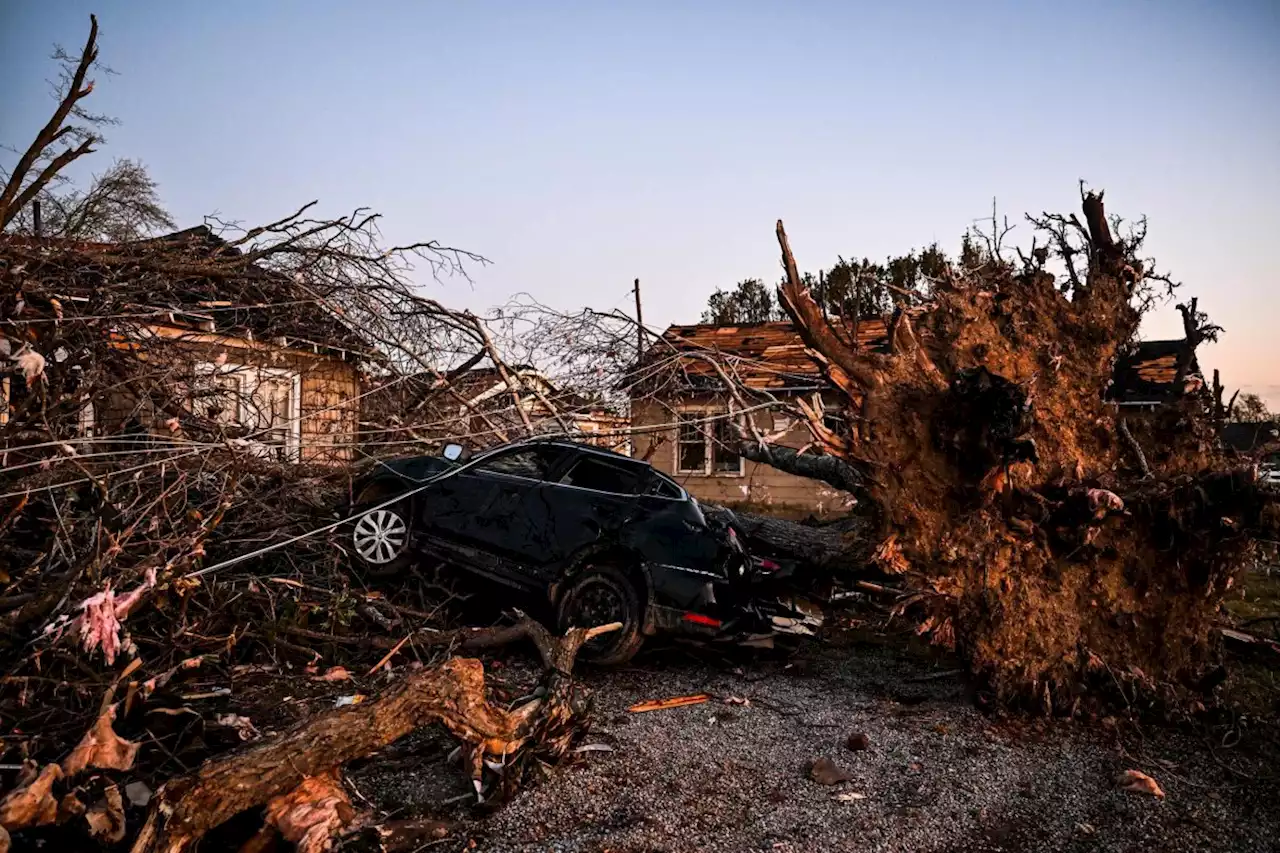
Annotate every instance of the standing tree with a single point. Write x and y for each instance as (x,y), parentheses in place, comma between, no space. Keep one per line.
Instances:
(1252,409)
(750,302)
(119,204)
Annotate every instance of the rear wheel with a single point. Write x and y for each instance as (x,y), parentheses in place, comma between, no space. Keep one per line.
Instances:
(597,597)
(381,537)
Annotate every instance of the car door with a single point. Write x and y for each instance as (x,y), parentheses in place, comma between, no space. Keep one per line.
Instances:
(491,512)
(590,501)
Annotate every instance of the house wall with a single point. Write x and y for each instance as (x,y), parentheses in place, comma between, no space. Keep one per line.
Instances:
(328,407)
(760,487)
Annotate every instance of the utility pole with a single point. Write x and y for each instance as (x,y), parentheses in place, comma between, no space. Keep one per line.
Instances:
(639,323)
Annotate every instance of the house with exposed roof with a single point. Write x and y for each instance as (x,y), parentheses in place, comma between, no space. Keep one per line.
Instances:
(1145,376)
(679,403)
(254,356)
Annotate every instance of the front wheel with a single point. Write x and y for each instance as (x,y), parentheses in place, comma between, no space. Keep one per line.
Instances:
(600,596)
(381,537)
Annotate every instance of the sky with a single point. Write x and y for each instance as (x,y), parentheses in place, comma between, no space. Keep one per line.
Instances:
(579,146)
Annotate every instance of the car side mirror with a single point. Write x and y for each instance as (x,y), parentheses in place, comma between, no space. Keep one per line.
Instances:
(455,452)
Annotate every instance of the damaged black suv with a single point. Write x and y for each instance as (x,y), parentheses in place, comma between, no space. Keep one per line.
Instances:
(599,536)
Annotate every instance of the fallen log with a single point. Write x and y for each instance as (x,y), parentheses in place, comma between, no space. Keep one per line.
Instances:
(187,808)
(843,547)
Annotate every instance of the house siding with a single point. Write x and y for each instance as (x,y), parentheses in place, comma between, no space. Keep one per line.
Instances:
(759,486)
(328,389)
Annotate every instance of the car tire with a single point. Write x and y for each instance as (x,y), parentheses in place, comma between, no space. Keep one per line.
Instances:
(602,594)
(381,538)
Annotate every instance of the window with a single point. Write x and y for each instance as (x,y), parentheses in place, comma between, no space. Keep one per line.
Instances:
(264,402)
(692,446)
(663,487)
(533,463)
(602,475)
(707,446)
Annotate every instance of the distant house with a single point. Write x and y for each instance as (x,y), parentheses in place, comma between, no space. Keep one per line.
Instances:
(1145,376)
(254,357)
(677,394)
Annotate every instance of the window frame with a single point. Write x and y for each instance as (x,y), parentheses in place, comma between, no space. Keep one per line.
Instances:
(244,373)
(600,459)
(709,443)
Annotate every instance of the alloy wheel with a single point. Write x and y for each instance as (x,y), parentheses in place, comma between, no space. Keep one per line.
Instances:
(380,536)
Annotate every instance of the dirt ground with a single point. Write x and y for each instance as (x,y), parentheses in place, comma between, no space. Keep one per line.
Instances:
(936,774)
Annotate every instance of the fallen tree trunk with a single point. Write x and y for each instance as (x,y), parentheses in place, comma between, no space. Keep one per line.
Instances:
(187,808)
(843,548)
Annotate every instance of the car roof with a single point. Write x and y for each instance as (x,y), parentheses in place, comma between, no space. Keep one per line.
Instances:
(560,441)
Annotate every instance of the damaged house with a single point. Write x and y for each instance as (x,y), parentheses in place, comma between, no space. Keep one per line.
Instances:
(253,360)
(679,405)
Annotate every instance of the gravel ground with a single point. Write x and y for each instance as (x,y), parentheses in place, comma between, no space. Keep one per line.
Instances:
(936,775)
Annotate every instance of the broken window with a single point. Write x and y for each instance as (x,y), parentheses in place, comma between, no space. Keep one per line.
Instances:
(664,488)
(264,402)
(707,446)
(692,446)
(533,463)
(602,476)
(724,443)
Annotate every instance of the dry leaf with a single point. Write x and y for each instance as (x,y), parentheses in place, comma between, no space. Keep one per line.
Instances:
(106,818)
(312,814)
(101,747)
(336,673)
(34,804)
(664,704)
(850,796)
(1139,783)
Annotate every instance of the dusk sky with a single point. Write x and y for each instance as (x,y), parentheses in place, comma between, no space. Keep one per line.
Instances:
(582,145)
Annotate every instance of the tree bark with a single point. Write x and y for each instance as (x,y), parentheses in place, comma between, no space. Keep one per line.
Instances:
(185,809)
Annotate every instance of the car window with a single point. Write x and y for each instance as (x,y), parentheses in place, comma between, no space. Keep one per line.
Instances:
(664,488)
(603,476)
(534,463)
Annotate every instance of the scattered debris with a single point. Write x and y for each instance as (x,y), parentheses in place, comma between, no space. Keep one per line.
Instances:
(243,725)
(825,772)
(106,817)
(345,701)
(312,814)
(1139,783)
(138,794)
(857,742)
(32,804)
(101,747)
(673,702)
(849,796)
(336,673)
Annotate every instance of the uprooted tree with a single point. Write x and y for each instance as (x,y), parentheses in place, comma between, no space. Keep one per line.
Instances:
(992,476)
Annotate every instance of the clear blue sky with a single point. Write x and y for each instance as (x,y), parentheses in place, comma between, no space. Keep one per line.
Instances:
(581,145)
